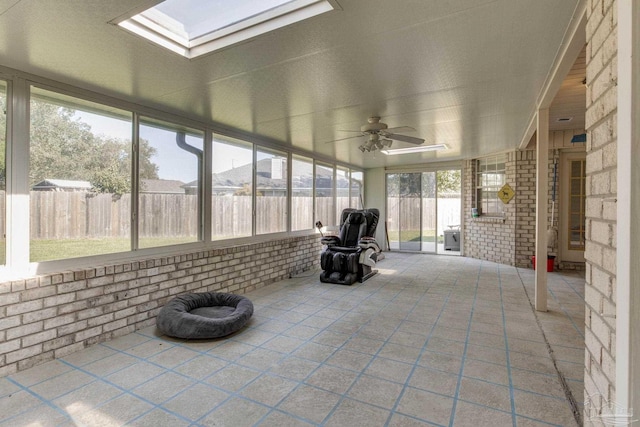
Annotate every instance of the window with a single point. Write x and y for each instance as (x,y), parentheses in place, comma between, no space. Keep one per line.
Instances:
(232,188)
(490,177)
(342,191)
(324,195)
(91,189)
(577,199)
(170,165)
(3,169)
(195,27)
(357,182)
(271,191)
(80,177)
(301,193)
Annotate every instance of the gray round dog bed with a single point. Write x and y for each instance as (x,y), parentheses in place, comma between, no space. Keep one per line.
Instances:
(204,315)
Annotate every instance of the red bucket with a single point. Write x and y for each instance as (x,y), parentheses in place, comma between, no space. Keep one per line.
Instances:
(550,261)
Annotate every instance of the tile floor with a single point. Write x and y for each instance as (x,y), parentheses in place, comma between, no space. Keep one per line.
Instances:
(431,341)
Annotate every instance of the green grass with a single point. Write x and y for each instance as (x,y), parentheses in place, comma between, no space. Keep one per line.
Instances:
(46,250)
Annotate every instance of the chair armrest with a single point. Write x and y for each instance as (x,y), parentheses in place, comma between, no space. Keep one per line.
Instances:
(369,242)
(346,249)
(330,240)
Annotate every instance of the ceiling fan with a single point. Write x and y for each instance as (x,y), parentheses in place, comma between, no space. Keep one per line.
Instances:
(380,136)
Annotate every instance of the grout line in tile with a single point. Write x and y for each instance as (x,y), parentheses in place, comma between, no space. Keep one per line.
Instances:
(464,353)
(560,375)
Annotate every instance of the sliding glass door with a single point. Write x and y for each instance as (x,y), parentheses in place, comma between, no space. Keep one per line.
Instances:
(429,218)
(421,208)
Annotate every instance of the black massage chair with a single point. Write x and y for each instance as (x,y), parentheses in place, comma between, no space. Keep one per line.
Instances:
(351,254)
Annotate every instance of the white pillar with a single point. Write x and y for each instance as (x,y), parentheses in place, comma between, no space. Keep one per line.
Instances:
(628,210)
(17,209)
(542,188)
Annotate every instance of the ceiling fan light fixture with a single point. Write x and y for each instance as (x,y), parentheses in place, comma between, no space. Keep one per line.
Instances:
(435,147)
(370,145)
(377,131)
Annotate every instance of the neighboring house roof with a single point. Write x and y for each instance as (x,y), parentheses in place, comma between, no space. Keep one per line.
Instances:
(164,186)
(236,177)
(62,184)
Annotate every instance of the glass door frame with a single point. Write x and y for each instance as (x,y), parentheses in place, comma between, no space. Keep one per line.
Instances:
(562,214)
(439,246)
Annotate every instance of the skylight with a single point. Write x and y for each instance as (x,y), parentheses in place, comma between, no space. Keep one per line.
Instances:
(195,27)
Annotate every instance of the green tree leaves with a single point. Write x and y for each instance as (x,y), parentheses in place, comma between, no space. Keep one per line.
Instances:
(449,181)
(63,147)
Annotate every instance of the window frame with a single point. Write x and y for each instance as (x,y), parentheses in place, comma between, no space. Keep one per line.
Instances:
(17,215)
(249,147)
(64,99)
(332,219)
(171,126)
(159,28)
(6,84)
(307,160)
(283,154)
(486,184)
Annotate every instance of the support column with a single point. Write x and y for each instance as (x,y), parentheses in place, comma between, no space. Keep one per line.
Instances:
(627,345)
(542,188)
(17,209)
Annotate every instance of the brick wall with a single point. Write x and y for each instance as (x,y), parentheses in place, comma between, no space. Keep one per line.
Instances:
(525,234)
(600,294)
(492,239)
(50,316)
(512,240)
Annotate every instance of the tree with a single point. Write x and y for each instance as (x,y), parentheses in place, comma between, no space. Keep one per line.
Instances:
(422,185)
(63,147)
(449,181)
(110,180)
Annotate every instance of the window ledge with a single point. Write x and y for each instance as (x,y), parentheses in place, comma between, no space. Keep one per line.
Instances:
(489,219)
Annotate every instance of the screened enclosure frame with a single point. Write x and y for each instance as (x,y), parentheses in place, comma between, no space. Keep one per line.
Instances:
(17,210)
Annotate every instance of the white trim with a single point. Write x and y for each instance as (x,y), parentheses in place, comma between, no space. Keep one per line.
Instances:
(163,30)
(289,190)
(573,42)
(135,182)
(206,184)
(627,343)
(17,195)
(542,200)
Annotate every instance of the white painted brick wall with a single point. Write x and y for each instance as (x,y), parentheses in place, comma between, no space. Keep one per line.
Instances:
(50,316)
(600,254)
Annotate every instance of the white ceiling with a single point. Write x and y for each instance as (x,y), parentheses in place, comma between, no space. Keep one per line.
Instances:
(468,73)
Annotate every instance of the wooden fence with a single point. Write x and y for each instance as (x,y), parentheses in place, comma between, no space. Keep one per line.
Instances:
(78,215)
(405,213)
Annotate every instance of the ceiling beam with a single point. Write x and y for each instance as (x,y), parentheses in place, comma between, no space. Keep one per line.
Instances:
(568,52)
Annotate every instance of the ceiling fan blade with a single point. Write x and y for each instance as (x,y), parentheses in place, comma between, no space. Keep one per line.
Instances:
(342,139)
(405,138)
(400,129)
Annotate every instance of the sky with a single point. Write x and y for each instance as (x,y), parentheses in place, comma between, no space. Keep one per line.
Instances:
(200,17)
(173,162)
